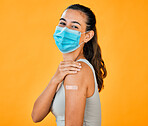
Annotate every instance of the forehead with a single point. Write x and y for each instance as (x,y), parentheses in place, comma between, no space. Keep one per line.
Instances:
(74,15)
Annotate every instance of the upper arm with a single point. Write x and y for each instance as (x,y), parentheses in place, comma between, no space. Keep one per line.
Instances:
(75,100)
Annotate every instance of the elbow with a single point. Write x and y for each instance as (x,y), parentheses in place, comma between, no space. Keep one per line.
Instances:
(34,118)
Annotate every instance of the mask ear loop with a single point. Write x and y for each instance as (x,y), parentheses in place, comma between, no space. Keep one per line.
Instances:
(82,42)
(83,33)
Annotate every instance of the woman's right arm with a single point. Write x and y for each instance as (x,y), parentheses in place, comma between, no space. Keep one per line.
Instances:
(42,104)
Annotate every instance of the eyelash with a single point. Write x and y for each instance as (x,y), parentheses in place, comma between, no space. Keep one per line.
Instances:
(75,26)
(62,23)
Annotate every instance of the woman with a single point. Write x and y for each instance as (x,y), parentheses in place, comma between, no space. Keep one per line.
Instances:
(72,94)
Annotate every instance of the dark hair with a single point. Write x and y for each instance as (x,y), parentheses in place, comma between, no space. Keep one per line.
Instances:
(91,49)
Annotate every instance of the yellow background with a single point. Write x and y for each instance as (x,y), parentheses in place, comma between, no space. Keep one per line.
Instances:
(29,58)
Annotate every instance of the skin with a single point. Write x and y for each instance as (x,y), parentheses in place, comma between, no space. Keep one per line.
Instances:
(69,70)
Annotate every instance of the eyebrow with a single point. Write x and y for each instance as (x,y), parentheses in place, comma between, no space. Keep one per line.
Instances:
(71,22)
(62,19)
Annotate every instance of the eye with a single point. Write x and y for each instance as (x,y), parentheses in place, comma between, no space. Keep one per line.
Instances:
(62,23)
(73,26)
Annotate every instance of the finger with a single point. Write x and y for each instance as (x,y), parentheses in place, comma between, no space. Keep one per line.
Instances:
(70,72)
(71,69)
(73,64)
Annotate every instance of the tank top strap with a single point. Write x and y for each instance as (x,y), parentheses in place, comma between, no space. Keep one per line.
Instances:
(90,65)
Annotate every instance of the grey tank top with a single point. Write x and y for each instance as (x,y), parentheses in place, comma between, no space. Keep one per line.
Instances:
(92,115)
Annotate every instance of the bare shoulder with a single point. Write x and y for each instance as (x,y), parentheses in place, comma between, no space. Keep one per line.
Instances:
(86,72)
(83,77)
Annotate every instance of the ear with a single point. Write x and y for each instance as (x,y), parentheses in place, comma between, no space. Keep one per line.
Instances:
(89,36)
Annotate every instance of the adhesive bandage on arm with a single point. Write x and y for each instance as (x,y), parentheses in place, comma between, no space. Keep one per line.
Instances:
(71,87)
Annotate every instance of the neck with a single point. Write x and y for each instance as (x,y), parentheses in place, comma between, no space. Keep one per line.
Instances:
(73,56)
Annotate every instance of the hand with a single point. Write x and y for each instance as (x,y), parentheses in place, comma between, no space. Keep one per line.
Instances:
(64,68)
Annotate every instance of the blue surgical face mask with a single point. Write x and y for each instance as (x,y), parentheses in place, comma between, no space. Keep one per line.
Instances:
(67,40)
